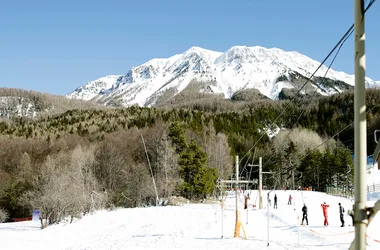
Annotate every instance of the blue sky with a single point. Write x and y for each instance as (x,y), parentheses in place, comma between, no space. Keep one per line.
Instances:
(55,46)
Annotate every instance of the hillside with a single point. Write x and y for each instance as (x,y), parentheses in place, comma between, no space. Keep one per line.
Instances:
(243,114)
(32,104)
(103,149)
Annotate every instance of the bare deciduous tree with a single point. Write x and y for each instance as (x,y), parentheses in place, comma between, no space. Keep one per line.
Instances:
(303,138)
(289,147)
(109,167)
(50,191)
(218,151)
(64,187)
(82,168)
(168,161)
(24,169)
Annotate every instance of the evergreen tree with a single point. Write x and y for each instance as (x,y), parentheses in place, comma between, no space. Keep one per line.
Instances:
(198,180)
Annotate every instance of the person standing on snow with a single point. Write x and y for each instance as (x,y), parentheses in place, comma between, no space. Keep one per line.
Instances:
(245,201)
(290,199)
(304,214)
(341,213)
(275,201)
(324,209)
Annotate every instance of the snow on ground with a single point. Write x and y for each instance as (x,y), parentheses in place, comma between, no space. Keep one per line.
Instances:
(373,175)
(198,226)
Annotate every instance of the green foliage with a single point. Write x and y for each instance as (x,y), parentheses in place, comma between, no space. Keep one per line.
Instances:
(326,115)
(10,199)
(329,83)
(321,170)
(3,127)
(177,134)
(198,180)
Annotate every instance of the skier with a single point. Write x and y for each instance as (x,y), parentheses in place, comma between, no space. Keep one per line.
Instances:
(304,214)
(341,213)
(324,209)
(275,201)
(290,199)
(245,202)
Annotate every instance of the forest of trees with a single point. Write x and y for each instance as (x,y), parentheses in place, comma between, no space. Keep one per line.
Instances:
(72,163)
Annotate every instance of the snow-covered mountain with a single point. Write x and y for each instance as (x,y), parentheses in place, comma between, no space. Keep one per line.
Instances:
(94,88)
(239,68)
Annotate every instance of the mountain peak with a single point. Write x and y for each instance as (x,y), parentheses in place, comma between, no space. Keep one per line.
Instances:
(196,49)
(238,68)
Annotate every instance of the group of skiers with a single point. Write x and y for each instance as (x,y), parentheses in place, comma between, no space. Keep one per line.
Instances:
(324,210)
(325,214)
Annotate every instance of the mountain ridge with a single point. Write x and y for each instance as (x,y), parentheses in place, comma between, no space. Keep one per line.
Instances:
(238,68)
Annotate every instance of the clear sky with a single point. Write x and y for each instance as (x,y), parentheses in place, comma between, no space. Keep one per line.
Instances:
(55,46)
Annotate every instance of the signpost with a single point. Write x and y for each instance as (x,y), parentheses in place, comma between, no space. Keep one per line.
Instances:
(36,215)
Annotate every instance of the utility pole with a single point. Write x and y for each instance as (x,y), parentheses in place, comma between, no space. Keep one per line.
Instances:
(260,180)
(268,218)
(260,183)
(151,171)
(360,150)
(362,214)
(237,185)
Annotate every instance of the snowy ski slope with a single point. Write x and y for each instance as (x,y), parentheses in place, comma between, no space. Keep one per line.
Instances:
(197,226)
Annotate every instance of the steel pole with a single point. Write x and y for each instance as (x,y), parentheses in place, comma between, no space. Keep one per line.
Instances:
(237,184)
(222,212)
(268,218)
(237,198)
(360,150)
(260,183)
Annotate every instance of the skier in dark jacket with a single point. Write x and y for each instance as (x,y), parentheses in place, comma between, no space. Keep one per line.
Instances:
(341,213)
(304,214)
(275,201)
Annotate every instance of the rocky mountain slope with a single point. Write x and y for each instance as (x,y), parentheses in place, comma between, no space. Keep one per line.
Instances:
(205,71)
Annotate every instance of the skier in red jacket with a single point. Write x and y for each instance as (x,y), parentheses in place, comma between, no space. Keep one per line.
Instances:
(324,208)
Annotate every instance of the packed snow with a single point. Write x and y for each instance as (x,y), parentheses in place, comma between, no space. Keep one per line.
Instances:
(238,68)
(373,175)
(199,226)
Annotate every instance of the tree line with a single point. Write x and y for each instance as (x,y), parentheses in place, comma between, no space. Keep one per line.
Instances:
(72,175)
(99,152)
